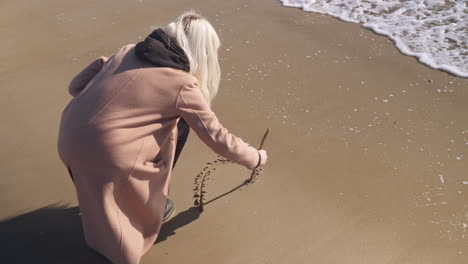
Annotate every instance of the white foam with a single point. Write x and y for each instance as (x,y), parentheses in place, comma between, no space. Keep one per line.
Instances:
(434,31)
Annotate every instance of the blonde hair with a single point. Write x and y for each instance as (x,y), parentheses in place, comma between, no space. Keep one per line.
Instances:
(197,37)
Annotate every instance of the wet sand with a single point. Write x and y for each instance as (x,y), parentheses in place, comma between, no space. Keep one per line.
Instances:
(367,153)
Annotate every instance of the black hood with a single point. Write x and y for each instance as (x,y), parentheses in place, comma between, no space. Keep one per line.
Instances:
(161,50)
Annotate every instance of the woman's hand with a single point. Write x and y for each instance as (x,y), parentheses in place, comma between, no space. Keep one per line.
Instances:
(263,157)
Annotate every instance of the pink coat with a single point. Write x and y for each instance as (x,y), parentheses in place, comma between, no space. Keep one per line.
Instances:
(117,136)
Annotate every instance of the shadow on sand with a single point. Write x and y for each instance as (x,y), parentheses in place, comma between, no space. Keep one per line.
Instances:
(53,234)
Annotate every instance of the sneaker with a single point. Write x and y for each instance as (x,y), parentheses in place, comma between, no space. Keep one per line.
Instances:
(169,211)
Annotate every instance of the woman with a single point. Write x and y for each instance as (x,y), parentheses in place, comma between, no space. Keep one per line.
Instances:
(120,133)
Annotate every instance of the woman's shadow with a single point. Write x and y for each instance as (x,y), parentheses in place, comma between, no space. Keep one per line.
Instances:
(53,234)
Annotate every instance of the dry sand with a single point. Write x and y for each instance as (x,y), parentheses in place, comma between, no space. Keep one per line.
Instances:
(367,154)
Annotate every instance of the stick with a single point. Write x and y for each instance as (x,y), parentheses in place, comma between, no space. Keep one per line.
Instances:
(261,145)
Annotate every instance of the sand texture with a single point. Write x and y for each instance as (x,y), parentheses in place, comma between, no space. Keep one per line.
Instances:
(367,151)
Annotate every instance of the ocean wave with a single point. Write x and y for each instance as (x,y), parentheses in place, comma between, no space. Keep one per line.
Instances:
(434,31)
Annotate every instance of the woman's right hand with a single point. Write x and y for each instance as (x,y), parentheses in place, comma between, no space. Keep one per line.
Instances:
(263,157)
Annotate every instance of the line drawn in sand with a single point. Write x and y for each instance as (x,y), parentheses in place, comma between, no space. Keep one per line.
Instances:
(207,173)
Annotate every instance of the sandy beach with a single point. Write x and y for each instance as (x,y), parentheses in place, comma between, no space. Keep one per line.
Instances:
(367,152)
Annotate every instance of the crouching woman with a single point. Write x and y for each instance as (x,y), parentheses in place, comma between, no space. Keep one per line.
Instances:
(123,130)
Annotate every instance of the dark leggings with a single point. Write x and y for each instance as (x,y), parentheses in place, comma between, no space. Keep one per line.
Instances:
(183,132)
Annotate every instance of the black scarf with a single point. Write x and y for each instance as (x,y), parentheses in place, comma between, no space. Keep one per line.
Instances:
(161,50)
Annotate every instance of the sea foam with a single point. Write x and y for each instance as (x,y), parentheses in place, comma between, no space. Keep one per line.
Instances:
(434,31)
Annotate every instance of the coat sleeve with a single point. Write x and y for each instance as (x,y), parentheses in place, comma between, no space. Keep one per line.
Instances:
(192,106)
(80,81)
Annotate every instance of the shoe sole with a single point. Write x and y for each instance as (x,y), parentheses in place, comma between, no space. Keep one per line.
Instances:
(171,215)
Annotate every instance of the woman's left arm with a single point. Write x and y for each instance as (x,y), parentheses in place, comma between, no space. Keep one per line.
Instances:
(80,81)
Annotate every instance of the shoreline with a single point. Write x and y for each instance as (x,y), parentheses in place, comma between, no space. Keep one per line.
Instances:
(423,58)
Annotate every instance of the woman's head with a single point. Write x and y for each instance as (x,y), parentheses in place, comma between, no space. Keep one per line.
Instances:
(197,37)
